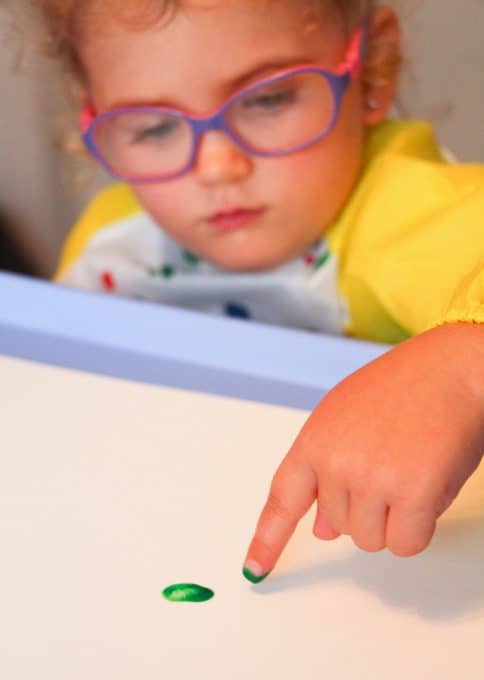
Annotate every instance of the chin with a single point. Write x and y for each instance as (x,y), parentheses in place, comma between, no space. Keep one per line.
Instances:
(249,262)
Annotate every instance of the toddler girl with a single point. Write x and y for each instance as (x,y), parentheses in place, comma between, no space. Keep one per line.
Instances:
(261,178)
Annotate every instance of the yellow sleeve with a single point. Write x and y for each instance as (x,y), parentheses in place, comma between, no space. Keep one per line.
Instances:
(468,302)
(412,251)
(113,204)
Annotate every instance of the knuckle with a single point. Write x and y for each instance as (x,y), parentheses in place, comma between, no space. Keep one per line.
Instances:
(364,476)
(275,506)
(262,547)
(337,466)
(290,466)
(355,471)
(419,490)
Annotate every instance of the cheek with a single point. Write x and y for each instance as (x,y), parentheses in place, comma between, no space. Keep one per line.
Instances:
(323,176)
(316,183)
(166,203)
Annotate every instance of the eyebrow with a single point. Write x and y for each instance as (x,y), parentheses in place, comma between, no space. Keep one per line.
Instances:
(259,70)
(230,86)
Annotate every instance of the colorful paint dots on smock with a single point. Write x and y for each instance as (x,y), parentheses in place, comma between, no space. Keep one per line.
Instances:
(108,281)
(165,272)
(237,311)
(187,592)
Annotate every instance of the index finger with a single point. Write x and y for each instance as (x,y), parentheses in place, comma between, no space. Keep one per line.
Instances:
(293,491)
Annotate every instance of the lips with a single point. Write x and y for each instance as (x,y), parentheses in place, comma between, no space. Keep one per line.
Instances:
(236,218)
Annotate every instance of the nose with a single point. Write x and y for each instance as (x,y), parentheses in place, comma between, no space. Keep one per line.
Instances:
(220,160)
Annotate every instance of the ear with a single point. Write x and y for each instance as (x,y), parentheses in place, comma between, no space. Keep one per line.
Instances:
(382,65)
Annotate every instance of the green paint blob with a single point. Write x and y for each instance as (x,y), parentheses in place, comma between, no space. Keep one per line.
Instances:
(187,592)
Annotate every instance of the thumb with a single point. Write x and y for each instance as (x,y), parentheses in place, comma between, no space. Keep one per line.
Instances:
(293,491)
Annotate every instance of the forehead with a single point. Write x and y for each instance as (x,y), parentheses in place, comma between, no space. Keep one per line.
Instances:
(190,56)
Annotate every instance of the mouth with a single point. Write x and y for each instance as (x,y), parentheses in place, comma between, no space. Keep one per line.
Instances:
(236,218)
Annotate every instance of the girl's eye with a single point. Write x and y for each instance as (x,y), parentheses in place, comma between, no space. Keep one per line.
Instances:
(270,101)
(157,132)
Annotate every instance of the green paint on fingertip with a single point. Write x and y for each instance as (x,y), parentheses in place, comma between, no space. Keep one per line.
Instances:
(252,577)
(187,592)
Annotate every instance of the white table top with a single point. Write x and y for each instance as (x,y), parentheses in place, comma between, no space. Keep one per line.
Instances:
(112,490)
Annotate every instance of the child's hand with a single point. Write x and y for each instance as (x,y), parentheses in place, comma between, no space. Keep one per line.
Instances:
(385,452)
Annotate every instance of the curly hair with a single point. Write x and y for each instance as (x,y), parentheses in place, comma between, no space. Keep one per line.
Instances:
(66,19)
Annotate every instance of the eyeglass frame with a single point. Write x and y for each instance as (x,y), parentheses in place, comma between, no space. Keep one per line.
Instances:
(338,80)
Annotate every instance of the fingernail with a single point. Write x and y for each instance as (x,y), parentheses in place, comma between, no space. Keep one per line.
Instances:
(253,572)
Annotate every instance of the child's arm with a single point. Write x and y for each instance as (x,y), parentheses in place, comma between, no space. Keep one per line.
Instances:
(386,451)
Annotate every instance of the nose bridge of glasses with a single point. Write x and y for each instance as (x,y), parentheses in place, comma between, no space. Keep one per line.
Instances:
(210,124)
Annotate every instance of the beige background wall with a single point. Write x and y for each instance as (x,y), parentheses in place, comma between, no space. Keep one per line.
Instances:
(444,82)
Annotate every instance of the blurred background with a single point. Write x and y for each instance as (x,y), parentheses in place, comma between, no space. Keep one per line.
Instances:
(39,197)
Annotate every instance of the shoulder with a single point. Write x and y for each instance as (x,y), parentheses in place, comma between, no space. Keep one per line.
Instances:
(413,144)
(408,138)
(409,181)
(407,185)
(414,226)
(110,207)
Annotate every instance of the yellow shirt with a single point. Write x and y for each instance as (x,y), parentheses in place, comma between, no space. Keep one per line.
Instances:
(409,243)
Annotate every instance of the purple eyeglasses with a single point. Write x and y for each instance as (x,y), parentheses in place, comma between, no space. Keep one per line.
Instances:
(276,116)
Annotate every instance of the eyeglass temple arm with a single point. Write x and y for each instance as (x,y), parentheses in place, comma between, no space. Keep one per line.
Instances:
(356,52)
(87,114)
